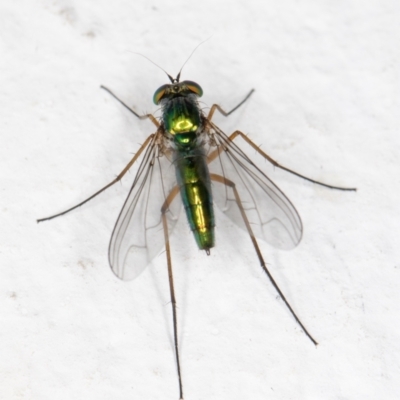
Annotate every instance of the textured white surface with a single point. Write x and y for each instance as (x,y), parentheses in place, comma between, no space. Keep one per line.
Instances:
(326,104)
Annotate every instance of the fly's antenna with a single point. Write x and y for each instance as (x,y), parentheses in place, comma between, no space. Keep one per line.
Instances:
(179,74)
(176,80)
(162,69)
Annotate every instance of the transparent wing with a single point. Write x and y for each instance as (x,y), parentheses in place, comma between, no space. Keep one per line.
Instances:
(138,234)
(272,216)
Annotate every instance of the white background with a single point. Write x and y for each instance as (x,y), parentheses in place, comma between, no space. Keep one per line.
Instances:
(326,104)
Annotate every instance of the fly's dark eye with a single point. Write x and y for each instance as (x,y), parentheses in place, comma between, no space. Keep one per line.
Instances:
(193,87)
(159,94)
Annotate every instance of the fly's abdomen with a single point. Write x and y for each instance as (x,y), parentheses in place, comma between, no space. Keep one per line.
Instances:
(195,187)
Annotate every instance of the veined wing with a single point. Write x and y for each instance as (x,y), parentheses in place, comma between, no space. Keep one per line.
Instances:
(138,234)
(272,216)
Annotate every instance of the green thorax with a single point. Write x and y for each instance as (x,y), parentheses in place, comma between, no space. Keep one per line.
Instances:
(182,120)
(181,113)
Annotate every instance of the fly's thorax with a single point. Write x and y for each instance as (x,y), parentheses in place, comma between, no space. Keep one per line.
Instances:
(181,115)
(182,120)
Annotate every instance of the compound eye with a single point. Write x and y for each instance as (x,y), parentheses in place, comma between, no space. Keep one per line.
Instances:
(159,94)
(193,87)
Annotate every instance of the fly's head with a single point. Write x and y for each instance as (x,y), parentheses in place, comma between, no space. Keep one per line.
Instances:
(176,89)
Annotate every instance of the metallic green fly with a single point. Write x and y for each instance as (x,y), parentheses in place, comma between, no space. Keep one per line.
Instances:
(188,155)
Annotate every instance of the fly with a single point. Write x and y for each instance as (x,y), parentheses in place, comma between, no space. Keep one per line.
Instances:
(190,157)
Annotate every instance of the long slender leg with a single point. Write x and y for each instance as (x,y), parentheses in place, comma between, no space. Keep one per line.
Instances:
(215,107)
(227,182)
(214,154)
(165,206)
(123,172)
(149,116)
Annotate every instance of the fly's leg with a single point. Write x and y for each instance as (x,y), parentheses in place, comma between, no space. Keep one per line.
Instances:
(215,107)
(119,177)
(149,116)
(125,170)
(164,209)
(229,183)
(214,154)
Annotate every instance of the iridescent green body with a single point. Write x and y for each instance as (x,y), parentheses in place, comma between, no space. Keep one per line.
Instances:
(195,187)
(183,124)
